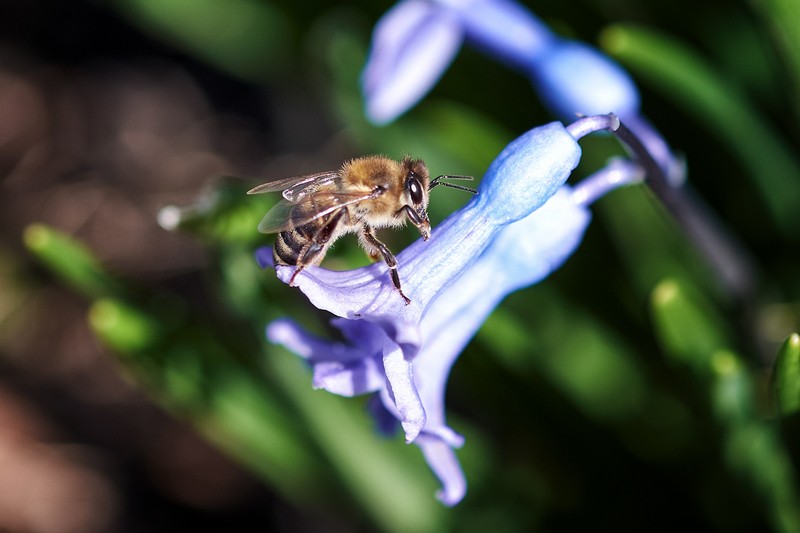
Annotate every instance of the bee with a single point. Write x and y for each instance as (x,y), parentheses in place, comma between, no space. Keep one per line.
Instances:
(365,194)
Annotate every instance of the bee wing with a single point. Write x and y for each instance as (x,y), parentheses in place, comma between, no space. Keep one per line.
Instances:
(297,187)
(286,215)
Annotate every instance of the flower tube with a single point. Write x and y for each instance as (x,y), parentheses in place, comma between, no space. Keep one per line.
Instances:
(523,224)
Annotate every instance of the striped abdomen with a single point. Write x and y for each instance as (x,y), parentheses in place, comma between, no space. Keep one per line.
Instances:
(306,244)
(290,245)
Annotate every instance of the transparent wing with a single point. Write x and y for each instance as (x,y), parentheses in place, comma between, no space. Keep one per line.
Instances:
(297,187)
(286,215)
(279,218)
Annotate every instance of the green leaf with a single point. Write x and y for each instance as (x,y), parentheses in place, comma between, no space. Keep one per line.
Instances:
(191,373)
(650,244)
(583,360)
(786,376)
(124,328)
(781,17)
(732,394)
(246,38)
(70,260)
(689,329)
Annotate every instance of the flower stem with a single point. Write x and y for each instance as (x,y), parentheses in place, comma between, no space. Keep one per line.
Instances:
(617,173)
(727,259)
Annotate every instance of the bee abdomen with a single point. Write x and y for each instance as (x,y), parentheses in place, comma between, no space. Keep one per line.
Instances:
(288,245)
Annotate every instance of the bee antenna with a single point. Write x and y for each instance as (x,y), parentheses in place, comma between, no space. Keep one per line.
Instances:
(437,181)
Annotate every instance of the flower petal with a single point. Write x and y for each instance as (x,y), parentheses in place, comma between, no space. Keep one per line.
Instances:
(403,392)
(442,460)
(339,368)
(385,421)
(576,79)
(408,357)
(505,30)
(350,379)
(521,254)
(413,44)
(294,337)
(528,172)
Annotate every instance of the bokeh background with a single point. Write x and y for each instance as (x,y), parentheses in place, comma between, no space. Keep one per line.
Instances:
(629,391)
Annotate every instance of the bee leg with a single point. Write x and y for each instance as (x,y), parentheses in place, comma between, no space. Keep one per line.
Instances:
(375,247)
(310,254)
(297,270)
(314,250)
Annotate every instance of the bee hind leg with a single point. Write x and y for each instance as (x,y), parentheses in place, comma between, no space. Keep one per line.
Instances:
(375,249)
(314,250)
(297,270)
(311,254)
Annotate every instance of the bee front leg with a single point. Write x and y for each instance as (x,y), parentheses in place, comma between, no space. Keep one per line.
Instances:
(374,248)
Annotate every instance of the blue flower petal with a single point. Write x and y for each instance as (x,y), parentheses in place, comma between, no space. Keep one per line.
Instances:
(455,280)
(339,368)
(416,40)
(413,44)
(442,460)
(520,255)
(505,30)
(350,379)
(385,421)
(528,172)
(575,79)
(287,332)
(403,392)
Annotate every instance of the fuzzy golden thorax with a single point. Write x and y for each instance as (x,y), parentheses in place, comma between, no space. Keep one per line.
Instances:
(404,183)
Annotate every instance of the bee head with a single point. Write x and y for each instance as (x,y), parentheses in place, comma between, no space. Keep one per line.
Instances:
(415,190)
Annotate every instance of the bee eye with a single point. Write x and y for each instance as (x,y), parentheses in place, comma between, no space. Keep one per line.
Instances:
(414,189)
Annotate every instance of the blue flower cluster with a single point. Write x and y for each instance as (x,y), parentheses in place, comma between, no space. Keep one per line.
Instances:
(521,226)
(416,40)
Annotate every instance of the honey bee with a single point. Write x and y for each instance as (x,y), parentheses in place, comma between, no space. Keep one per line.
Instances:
(365,194)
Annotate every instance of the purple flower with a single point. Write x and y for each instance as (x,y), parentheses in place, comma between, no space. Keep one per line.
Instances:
(518,182)
(521,226)
(575,79)
(416,40)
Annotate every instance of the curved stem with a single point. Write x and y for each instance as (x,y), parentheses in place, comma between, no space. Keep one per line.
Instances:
(729,261)
(724,256)
(591,124)
(616,174)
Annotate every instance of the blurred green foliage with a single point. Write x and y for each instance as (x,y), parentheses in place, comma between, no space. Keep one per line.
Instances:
(582,409)
(244,37)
